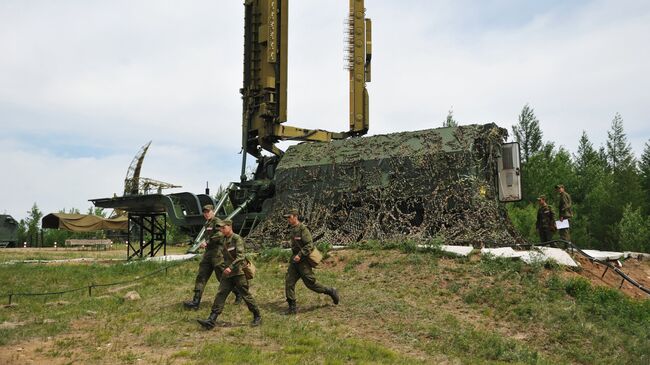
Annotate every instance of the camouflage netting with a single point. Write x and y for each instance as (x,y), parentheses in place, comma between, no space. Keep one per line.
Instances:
(436,183)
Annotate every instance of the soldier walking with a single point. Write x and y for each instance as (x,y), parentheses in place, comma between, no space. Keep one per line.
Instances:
(545,220)
(233,278)
(565,211)
(212,258)
(299,266)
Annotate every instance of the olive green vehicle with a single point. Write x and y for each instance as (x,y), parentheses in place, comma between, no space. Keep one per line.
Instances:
(8,231)
(445,182)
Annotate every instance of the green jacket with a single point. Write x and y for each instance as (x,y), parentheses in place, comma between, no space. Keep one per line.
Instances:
(213,238)
(545,219)
(565,205)
(301,241)
(233,254)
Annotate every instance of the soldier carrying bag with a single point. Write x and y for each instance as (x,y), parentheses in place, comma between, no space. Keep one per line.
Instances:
(315,257)
(248,268)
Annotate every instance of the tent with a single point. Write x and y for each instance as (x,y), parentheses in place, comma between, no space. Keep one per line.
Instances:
(83,222)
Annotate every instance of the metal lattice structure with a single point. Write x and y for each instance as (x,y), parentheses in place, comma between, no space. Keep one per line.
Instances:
(147,234)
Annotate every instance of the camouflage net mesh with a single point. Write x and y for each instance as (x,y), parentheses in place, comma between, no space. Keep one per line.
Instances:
(437,184)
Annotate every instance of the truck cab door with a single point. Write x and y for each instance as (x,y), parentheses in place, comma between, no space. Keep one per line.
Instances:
(508,165)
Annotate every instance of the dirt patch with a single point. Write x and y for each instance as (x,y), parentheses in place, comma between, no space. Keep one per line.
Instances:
(10,325)
(79,347)
(635,269)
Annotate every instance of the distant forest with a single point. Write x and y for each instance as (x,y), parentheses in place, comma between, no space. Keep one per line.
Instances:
(609,186)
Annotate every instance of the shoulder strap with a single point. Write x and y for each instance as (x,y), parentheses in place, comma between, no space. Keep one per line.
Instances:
(225,248)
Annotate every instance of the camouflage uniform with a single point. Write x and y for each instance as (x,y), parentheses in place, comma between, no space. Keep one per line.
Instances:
(545,223)
(566,212)
(302,245)
(212,258)
(212,261)
(233,255)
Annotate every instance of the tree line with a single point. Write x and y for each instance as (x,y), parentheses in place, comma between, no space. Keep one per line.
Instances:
(609,186)
(29,228)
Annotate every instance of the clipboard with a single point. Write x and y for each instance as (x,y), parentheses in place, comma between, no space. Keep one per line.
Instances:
(562,224)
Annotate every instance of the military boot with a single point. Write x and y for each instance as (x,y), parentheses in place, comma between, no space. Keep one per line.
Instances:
(238,299)
(209,323)
(292,307)
(334,295)
(195,302)
(257,319)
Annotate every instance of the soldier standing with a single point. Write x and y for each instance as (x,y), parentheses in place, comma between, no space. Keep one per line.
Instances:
(565,210)
(233,277)
(545,220)
(212,258)
(299,266)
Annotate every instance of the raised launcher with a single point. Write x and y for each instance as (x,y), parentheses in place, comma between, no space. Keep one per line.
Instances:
(445,183)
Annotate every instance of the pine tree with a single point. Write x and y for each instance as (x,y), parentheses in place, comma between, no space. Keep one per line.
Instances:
(619,150)
(586,152)
(33,223)
(589,167)
(623,188)
(544,170)
(634,231)
(450,121)
(644,167)
(528,133)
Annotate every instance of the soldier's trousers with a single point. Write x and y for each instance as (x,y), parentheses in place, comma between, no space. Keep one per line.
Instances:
(301,270)
(206,267)
(565,234)
(545,235)
(232,283)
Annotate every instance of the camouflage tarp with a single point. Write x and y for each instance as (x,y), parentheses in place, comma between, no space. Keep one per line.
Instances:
(435,183)
(83,222)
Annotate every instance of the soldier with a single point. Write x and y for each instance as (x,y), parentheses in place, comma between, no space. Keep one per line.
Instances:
(545,220)
(565,211)
(233,277)
(212,258)
(299,266)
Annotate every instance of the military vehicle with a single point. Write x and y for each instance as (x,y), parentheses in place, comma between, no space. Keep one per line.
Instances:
(445,182)
(8,231)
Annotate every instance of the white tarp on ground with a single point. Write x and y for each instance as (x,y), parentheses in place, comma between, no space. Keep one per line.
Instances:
(559,255)
(537,255)
(502,252)
(604,255)
(457,250)
(172,257)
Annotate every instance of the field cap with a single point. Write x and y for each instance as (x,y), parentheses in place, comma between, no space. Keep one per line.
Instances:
(559,186)
(291,212)
(225,222)
(208,207)
(541,197)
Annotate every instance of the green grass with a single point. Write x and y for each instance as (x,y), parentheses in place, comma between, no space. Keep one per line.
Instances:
(400,306)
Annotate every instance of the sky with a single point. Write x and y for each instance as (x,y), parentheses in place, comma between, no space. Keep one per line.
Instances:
(85,83)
